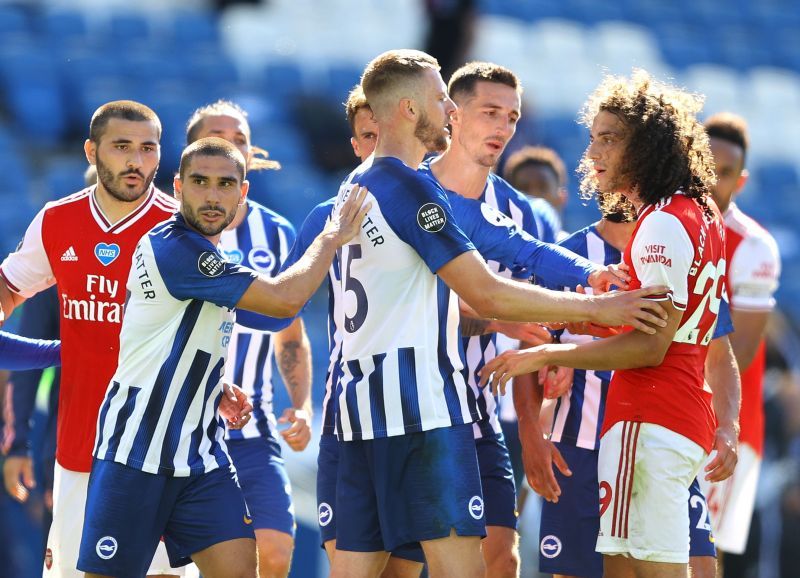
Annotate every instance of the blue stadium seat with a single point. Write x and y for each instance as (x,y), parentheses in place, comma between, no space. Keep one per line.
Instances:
(777,176)
(64,176)
(282,79)
(129,27)
(14,20)
(339,80)
(194,28)
(60,25)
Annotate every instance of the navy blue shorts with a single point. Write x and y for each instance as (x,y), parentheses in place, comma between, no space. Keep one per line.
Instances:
(701,538)
(411,488)
(128,510)
(568,530)
(497,481)
(327,468)
(264,482)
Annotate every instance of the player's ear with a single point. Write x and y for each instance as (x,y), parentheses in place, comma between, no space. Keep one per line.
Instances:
(177,185)
(742,180)
(354,144)
(90,148)
(408,108)
(245,189)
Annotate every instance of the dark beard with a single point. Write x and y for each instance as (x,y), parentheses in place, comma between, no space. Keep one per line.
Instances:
(119,191)
(434,141)
(207,230)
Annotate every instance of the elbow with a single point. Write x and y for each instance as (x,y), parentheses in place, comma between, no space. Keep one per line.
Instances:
(484,305)
(654,356)
(290,308)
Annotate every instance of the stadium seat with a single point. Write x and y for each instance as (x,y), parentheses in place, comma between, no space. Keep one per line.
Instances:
(282,79)
(502,40)
(189,28)
(14,20)
(64,176)
(621,46)
(60,25)
(722,86)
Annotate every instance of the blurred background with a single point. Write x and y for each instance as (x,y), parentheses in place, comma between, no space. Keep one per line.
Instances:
(291,63)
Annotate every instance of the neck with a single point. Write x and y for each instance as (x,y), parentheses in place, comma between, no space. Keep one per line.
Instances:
(114,209)
(397,143)
(241,213)
(615,234)
(456,172)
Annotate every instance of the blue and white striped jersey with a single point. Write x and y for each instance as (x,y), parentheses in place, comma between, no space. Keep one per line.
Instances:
(481,349)
(579,413)
(548,223)
(309,230)
(261,242)
(401,352)
(160,410)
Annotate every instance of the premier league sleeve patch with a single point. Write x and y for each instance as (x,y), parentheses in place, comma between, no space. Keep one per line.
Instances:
(210,264)
(431,217)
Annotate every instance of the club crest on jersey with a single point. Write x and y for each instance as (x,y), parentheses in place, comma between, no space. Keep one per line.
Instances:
(261,259)
(48,559)
(234,256)
(431,218)
(550,546)
(476,507)
(105,253)
(106,547)
(325,513)
(210,264)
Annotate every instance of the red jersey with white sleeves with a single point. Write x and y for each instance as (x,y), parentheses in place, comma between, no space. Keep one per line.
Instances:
(71,243)
(754,267)
(675,244)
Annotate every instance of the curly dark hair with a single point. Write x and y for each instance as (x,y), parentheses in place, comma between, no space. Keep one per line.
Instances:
(667,149)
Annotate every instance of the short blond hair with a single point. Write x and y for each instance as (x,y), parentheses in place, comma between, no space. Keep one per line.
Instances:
(394,75)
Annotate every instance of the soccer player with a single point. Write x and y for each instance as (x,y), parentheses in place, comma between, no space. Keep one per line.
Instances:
(570,516)
(161,467)
(648,149)
(260,239)
(89,270)
(408,470)
(488,100)
(753,263)
(540,173)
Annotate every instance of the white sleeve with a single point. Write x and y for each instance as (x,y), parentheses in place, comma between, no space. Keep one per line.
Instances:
(753,273)
(662,254)
(27,270)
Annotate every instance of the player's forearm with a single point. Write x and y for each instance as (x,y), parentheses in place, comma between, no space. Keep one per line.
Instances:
(8,300)
(512,301)
(527,395)
(722,375)
(293,357)
(555,265)
(744,347)
(286,294)
(627,351)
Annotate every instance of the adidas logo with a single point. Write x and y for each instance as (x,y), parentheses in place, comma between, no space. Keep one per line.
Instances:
(69,255)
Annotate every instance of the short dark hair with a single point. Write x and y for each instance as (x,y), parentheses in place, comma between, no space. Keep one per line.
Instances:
(535,156)
(356,100)
(212,146)
(121,109)
(462,82)
(393,71)
(729,127)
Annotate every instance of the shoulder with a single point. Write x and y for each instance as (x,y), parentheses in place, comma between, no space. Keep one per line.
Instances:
(164,201)
(69,203)
(503,189)
(270,217)
(577,239)
(749,229)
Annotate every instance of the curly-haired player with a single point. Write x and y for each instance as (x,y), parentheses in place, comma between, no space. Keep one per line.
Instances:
(648,148)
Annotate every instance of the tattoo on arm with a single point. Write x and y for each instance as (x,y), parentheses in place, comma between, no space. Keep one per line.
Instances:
(471,326)
(288,361)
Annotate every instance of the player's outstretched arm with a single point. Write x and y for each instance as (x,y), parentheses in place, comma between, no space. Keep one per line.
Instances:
(285,295)
(625,351)
(494,297)
(722,375)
